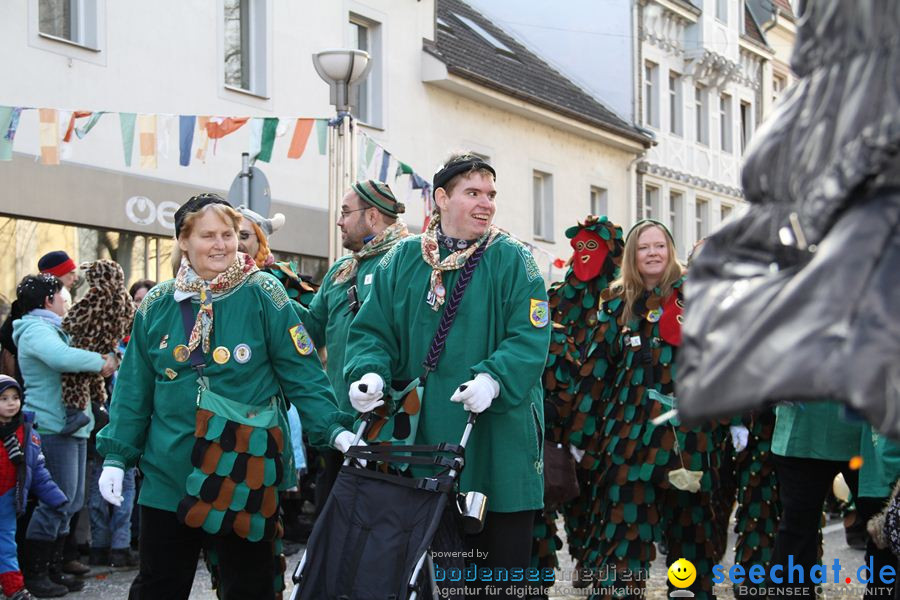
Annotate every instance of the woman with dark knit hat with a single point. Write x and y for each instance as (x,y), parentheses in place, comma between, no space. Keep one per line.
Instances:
(44,355)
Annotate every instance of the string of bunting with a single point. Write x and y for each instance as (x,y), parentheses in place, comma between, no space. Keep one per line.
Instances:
(56,129)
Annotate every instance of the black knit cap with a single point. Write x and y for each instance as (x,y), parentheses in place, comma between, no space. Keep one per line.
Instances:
(460,165)
(56,263)
(194,204)
(34,289)
(8,382)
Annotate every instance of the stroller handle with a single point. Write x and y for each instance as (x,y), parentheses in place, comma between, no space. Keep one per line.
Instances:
(470,422)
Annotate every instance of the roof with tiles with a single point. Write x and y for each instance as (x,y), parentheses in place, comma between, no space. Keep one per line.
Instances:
(474,48)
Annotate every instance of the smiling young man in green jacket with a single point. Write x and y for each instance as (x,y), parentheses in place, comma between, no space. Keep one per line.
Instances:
(492,362)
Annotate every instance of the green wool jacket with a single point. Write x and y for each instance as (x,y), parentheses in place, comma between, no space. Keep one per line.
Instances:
(152,414)
(501,329)
(328,320)
(881,464)
(814,430)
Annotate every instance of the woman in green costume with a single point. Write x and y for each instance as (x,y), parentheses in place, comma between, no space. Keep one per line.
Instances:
(211,354)
(648,482)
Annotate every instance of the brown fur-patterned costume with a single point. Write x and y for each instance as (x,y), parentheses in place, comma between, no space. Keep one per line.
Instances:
(96,322)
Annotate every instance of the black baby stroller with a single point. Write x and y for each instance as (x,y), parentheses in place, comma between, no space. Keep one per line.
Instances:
(372,539)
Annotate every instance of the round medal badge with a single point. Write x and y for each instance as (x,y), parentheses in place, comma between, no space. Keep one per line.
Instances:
(221,355)
(242,353)
(181,353)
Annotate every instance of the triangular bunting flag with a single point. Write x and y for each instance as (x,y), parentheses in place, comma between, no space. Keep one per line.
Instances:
(322,135)
(147,137)
(219,128)
(301,136)
(49,136)
(126,123)
(185,138)
(6,145)
(385,165)
(270,128)
(85,129)
(78,114)
(203,139)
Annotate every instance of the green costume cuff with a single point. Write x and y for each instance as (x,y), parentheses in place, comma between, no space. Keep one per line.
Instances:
(114,461)
(117,453)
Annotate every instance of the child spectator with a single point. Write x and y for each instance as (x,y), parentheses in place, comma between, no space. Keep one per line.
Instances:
(21,470)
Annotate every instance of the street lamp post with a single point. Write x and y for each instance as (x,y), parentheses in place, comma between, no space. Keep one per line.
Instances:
(342,70)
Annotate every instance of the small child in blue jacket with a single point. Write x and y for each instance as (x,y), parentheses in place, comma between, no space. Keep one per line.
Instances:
(22,471)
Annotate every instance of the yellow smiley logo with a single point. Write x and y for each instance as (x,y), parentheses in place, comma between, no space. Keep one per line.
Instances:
(682,573)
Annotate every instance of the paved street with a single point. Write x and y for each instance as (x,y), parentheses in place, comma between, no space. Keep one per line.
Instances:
(113,584)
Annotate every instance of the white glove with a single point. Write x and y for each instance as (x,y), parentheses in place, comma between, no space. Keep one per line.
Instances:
(739,437)
(110,484)
(477,394)
(344,440)
(365,394)
(576,453)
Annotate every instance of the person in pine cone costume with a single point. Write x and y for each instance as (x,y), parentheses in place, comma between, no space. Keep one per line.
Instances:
(598,247)
(648,483)
(96,322)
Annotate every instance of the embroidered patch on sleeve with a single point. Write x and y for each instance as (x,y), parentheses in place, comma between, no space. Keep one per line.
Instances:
(532,271)
(538,313)
(272,287)
(389,256)
(303,344)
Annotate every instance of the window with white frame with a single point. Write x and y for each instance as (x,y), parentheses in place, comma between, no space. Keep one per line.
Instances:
(725,123)
(701,219)
(725,211)
(701,115)
(779,83)
(599,201)
(651,94)
(746,124)
(543,205)
(651,202)
(365,34)
(245,37)
(676,105)
(722,10)
(73,21)
(676,214)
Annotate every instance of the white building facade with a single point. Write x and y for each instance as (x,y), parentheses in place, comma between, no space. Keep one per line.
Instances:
(701,68)
(253,58)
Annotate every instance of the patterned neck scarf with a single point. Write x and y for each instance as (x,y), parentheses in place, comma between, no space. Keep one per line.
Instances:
(431,254)
(189,282)
(451,243)
(378,245)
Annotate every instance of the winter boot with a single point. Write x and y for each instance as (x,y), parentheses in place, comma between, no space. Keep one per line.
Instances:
(21,595)
(99,556)
(55,569)
(122,557)
(37,578)
(71,562)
